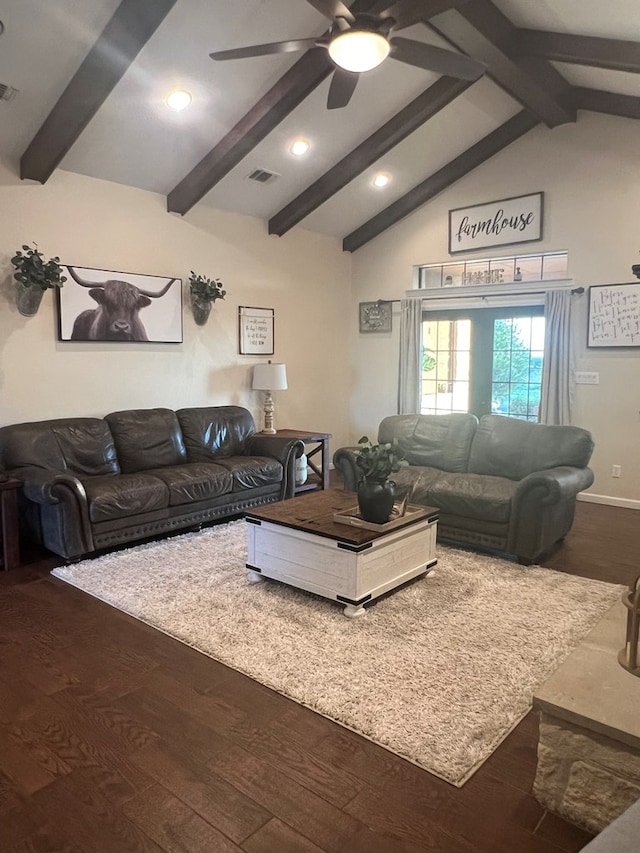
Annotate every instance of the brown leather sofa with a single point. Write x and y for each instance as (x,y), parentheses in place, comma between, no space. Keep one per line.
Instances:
(500,483)
(93,483)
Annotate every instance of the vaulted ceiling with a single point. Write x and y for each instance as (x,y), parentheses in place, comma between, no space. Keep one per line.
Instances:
(92,76)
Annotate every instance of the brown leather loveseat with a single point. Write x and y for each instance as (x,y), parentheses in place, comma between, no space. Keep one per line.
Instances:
(92,483)
(500,483)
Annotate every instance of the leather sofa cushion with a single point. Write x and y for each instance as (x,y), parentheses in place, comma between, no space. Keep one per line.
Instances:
(508,447)
(87,447)
(467,495)
(250,472)
(195,481)
(474,496)
(438,441)
(83,446)
(123,495)
(417,482)
(214,432)
(147,438)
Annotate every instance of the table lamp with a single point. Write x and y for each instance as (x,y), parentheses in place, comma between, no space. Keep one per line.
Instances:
(269,377)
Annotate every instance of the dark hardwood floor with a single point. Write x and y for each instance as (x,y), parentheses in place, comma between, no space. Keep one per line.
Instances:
(114,737)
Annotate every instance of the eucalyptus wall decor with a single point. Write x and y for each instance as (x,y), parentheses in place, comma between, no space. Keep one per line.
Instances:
(204,292)
(33,276)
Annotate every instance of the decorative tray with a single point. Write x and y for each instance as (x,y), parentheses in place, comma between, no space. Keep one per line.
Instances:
(352,516)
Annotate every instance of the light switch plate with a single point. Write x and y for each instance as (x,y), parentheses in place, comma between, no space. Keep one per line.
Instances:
(587,378)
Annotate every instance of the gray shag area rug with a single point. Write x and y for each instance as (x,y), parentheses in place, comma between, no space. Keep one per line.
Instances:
(438,672)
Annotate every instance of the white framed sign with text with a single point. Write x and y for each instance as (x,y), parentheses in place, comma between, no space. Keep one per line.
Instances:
(496,223)
(255,334)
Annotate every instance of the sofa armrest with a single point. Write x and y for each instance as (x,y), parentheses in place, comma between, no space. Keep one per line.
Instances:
(44,486)
(344,459)
(285,450)
(543,508)
(553,484)
(64,510)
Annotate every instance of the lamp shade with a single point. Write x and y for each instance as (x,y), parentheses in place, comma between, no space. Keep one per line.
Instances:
(270,377)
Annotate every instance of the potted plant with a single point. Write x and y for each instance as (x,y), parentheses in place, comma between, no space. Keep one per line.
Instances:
(204,292)
(376,492)
(34,275)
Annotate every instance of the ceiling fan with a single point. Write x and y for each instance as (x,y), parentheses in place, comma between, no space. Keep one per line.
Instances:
(359,42)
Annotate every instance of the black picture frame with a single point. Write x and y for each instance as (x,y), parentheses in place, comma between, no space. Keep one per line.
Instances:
(375,317)
(109,306)
(614,315)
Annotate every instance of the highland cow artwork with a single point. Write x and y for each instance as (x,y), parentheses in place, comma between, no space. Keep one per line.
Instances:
(106,306)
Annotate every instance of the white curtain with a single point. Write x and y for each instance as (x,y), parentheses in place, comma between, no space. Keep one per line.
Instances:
(409,391)
(557,368)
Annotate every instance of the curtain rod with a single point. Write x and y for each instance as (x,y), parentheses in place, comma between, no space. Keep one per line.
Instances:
(574,291)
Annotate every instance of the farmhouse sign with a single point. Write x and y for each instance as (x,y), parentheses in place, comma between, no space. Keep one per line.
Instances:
(496,223)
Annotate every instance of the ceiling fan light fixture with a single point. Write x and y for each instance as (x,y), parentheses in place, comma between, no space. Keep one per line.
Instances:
(359,50)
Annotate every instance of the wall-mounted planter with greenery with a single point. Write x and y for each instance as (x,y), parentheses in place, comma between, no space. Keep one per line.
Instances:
(33,276)
(204,292)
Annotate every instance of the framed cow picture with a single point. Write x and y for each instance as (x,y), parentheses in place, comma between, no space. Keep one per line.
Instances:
(98,306)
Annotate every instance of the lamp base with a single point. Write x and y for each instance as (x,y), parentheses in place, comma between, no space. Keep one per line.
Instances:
(268,414)
(266,431)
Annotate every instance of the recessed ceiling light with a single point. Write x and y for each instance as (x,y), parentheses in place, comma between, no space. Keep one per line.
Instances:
(299,147)
(381,180)
(179,99)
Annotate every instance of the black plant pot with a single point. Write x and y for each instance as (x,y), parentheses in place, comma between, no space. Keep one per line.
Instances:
(375,501)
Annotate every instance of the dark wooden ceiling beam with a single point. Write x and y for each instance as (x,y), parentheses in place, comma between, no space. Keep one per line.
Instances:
(611,103)
(473,157)
(596,52)
(132,25)
(415,114)
(290,90)
(480,30)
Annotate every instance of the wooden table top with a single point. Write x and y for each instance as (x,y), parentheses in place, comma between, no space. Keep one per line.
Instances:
(313,513)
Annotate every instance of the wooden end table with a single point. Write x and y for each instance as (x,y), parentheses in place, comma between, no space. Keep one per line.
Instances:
(9,521)
(321,440)
(299,543)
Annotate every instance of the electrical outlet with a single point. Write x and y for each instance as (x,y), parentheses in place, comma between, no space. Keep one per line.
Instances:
(616,471)
(584,377)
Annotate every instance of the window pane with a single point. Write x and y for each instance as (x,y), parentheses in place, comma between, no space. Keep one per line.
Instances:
(509,384)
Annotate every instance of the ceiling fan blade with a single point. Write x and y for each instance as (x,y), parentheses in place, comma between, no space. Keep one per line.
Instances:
(264,49)
(342,86)
(332,9)
(436,59)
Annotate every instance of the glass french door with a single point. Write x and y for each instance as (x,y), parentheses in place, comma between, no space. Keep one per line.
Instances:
(483,360)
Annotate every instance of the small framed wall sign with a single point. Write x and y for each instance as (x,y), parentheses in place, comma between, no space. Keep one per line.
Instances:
(614,315)
(375,316)
(255,330)
(496,223)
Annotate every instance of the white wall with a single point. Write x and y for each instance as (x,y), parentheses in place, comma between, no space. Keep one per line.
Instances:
(590,174)
(305,277)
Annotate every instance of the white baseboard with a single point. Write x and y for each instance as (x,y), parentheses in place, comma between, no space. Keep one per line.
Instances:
(627,503)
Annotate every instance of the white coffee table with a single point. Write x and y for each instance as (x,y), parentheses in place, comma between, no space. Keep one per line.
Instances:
(299,543)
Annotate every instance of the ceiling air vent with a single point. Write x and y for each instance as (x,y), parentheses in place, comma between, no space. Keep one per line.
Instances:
(7,93)
(262,176)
